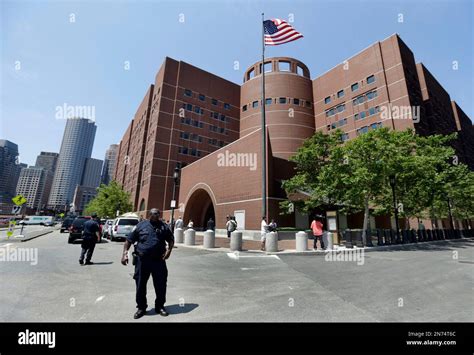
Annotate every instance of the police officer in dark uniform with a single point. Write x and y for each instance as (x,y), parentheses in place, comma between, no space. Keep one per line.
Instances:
(151,237)
(90,236)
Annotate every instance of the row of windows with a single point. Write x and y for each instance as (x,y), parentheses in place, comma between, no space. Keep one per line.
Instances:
(218,116)
(189,151)
(370,112)
(364,97)
(354,87)
(215,142)
(192,122)
(216,129)
(336,109)
(282,65)
(279,100)
(340,123)
(197,109)
(190,136)
(202,97)
(365,129)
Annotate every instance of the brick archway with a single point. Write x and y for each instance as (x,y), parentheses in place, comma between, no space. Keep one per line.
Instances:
(199,208)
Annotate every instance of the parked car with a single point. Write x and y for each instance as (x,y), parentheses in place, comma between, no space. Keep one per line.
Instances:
(48,223)
(76,228)
(122,227)
(107,228)
(66,224)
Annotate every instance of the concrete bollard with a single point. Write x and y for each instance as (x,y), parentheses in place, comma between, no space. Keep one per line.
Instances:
(236,241)
(209,239)
(271,242)
(301,241)
(327,240)
(178,235)
(190,237)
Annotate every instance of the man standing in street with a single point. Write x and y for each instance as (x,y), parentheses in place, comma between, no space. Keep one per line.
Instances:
(151,237)
(211,225)
(90,236)
(317,228)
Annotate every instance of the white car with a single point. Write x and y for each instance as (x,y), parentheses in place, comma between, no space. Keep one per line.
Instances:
(122,227)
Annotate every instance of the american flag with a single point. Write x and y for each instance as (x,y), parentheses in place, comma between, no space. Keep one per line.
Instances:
(278,32)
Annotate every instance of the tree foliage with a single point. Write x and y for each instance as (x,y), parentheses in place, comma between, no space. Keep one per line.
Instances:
(355,175)
(109,199)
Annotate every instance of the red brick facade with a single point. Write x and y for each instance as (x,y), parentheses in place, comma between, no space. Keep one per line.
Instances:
(194,118)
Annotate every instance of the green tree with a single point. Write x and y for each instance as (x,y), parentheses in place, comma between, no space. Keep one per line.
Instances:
(109,199)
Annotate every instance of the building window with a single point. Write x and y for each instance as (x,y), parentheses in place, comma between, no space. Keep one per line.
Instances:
(356,116)
(327,100)
(202,97)
(244,108)
(226,106)
(345,137)
(355,86)
(341,108)
(222,117)
(370,79)
(362,130)
(283,66)
(282,100)
(267,67)
(371,95)
(296,101)
(363,114)
(188,93)
(189,107)
(299,70)
(340,93)
(214,101)
(268,101)
(254,104)
(251,74)
(375,125)
(308,104)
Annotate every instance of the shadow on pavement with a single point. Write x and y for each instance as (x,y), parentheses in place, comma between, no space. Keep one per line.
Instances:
(177,309)
(450,244)
(102,263)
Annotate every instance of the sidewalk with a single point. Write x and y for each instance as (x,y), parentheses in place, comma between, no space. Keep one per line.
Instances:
(289,246)
(27,236)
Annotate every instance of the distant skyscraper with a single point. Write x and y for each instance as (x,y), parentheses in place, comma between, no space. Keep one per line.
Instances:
(91,175)
(76,147)
(9,174)
(47,160)
(109,163)
(82,196)
(35,185)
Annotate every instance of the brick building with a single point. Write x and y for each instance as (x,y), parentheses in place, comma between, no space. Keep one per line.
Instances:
(211,128)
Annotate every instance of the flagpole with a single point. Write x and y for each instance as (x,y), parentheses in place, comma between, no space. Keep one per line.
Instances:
(264,129)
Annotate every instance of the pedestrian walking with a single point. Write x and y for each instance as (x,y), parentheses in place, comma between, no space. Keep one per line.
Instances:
(190,224)
(317,228)
(151,236)
(230,226)
(179,223)
(90,236)
(264,228)
(211,225)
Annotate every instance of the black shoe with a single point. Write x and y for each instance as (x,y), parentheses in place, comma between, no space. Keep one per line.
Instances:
(81,262)
(162,312)
(140,313)
(89,263)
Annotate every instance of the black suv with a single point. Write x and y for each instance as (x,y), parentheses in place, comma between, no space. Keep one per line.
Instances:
(66,224)
(76,228)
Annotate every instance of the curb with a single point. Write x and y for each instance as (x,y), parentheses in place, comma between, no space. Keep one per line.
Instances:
(34,236)
(323,252)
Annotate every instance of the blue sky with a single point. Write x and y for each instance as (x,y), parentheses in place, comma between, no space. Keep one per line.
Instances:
(82,62)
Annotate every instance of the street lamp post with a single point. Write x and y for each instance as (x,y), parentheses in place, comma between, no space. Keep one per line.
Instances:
(173,202)
(395,208)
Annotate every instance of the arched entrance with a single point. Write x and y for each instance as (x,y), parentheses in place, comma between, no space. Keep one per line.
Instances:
(199,208)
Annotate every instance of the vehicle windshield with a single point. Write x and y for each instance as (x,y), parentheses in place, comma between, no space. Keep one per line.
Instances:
(79,221)
(127,222)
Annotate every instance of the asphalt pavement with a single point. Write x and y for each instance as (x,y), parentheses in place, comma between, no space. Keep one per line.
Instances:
(421,283)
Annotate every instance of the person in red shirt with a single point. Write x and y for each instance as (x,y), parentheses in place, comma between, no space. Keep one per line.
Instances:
(317,228)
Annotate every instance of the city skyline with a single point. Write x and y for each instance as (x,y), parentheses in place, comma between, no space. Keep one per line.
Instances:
(100,77)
